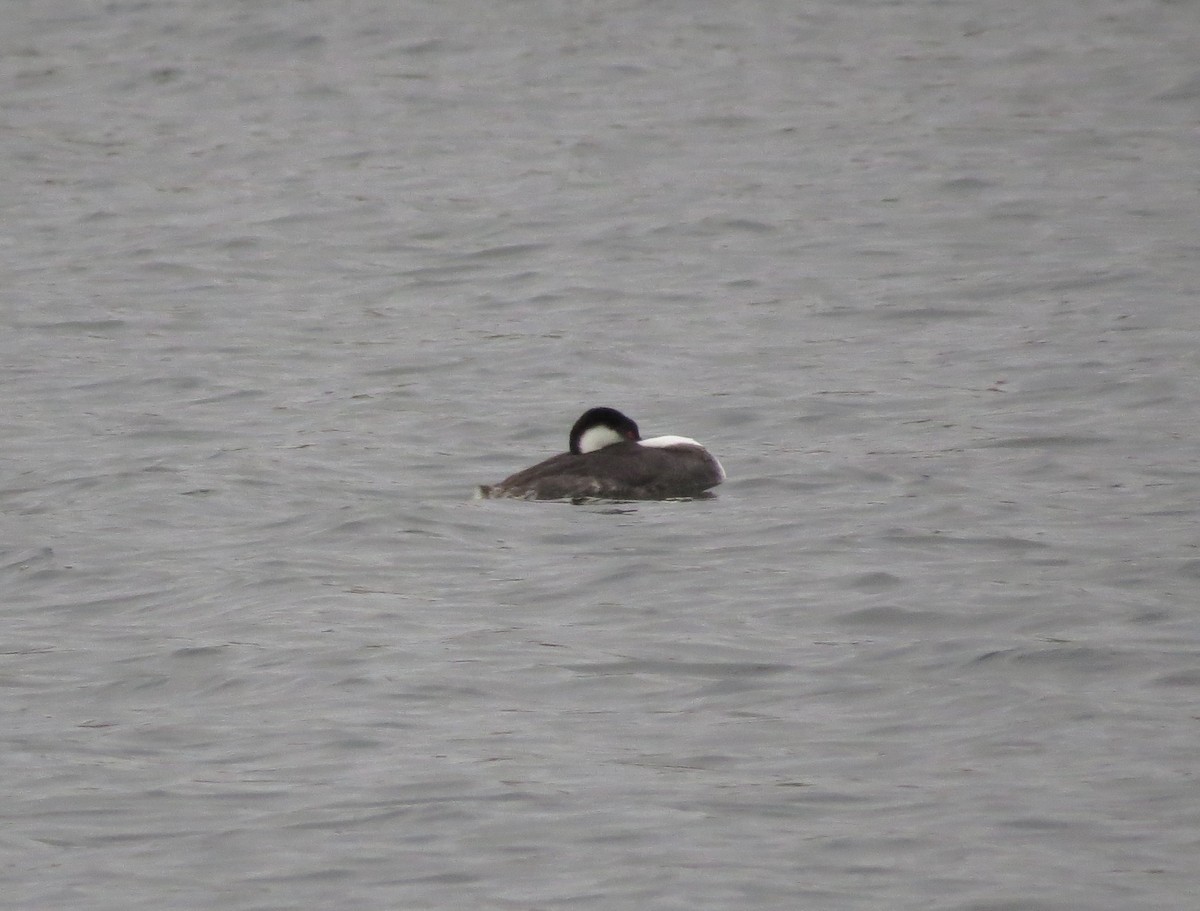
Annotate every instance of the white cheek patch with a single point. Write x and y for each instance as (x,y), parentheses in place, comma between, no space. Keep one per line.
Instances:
(597,438)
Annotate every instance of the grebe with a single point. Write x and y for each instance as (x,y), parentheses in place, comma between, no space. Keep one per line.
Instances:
(608,459)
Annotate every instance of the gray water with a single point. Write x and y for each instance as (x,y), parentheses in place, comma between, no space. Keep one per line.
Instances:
(283,281)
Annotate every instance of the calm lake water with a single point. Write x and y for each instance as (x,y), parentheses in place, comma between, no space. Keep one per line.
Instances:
(282,282)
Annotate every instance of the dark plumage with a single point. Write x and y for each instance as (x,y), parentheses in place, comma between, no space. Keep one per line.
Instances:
(609,460)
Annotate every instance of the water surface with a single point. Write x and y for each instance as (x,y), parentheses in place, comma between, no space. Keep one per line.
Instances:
(283,282)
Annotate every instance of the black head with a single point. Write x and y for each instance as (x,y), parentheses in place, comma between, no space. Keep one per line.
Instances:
(601,420)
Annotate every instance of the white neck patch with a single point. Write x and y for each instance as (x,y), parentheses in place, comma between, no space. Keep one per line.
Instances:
(597,438)
(662,442)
